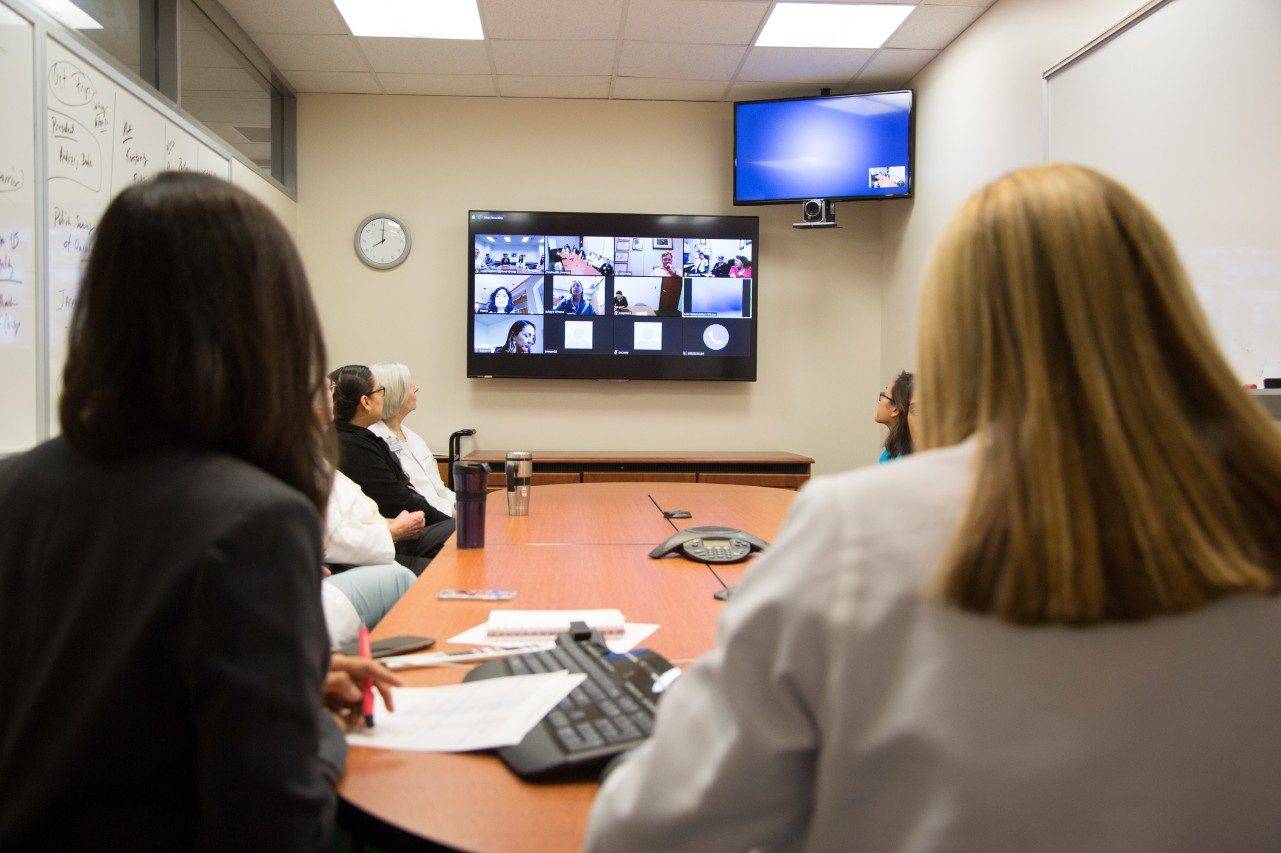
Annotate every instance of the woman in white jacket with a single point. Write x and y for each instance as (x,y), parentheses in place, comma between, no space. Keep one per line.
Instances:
(1057,630)
(365,580)
(399,400)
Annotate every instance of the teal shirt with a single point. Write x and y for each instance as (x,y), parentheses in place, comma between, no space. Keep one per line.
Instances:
(885,456)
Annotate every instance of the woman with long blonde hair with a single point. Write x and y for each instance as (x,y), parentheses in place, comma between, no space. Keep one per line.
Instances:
(1056,627)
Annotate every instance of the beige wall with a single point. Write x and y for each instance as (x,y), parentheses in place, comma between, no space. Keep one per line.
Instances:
(279,203)
(430,160)
(978,116)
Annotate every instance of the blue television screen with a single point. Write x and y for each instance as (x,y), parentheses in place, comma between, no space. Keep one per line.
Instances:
(842,147)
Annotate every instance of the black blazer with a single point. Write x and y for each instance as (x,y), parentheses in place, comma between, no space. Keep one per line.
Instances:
(163,648)
(366,458)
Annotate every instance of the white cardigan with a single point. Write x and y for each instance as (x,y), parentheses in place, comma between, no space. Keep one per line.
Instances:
(843,710)
(355,534)
(420,464)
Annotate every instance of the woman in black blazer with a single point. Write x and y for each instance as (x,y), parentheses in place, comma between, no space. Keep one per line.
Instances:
(160,620)
(366,458)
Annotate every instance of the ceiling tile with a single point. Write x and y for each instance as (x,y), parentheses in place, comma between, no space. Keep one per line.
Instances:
(704,21)
(566,20)
(765,91)
(334,81)
(933,27)
(980,3)
(786,64)
(553,57)
(895,66)
(425,56)
(312,53)
(553,87)
(311,17)
(686,61)
(653,89)
(438,84)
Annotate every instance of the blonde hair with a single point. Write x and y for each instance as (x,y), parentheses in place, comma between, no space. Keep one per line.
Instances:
(1121,472)
(393,376)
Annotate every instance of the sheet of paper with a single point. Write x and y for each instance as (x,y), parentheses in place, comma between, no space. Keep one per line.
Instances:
(464,717)
(633,635)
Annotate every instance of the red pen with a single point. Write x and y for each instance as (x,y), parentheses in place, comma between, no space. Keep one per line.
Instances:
(368,699)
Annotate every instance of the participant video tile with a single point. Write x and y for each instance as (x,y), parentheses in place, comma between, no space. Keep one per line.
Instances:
(508,253)
(502,334)
(713,258)
(508,294)
(648,296)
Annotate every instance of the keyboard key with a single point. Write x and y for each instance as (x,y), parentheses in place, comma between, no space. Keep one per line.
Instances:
(628,728)
(518,665)
(569,737)
(580,696)
(589,735)
(577,715)
(628,704)
(535,663)
(593,690)
(558,719)
(609,731)
(643,723)
(567,704)
(610,709)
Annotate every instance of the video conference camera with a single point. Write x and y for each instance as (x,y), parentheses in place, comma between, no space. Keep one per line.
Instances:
(817,213)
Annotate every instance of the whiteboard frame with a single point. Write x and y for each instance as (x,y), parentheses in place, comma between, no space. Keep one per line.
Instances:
(1129,21)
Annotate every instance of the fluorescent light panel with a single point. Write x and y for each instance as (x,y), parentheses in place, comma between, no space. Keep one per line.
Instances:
(69,14)
(865,25)
(419,19)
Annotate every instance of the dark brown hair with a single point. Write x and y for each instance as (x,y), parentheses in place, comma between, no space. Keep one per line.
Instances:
(351,382)
(899,440)
(195,327)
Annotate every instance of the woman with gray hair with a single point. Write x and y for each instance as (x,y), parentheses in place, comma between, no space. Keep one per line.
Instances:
(400,399)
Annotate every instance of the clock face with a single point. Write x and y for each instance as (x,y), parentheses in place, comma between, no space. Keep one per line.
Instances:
(382,242)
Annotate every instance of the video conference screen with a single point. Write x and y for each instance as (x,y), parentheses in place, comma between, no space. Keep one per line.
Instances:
(841,147)
(611,296)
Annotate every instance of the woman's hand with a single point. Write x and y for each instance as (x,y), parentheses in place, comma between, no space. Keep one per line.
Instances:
(344,688)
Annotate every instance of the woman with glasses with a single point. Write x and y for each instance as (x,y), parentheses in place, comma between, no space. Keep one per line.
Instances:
(366,459)
(399,401)
(894,409)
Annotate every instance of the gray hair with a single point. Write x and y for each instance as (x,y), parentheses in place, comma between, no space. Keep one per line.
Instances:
(393,376)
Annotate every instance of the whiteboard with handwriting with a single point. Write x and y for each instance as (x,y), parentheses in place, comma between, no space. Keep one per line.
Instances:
(19,342)
(100,139)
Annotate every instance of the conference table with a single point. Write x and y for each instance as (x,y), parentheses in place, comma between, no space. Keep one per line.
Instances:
(583,545)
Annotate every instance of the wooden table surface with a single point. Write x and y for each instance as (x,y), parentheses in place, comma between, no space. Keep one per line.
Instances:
(582,546)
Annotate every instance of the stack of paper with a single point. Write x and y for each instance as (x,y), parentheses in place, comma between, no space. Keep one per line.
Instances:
(482,714)
(495,632)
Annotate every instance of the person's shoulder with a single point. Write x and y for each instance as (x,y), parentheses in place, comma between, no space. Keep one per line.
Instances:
(380,429)
(900,494)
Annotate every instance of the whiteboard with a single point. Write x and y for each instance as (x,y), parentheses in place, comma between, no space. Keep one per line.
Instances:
(1182,106)
(19,341)
(100,139)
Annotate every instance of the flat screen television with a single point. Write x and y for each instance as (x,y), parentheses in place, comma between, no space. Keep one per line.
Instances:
(840,148)
(611,296)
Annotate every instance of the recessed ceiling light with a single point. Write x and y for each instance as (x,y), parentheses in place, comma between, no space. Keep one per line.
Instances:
(865,25)
(69,14)
(437,19)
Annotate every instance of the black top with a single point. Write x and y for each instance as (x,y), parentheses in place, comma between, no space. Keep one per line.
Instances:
(163,648)
(366,458)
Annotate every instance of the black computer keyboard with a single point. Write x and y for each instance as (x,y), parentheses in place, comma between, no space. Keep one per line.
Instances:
(610,712)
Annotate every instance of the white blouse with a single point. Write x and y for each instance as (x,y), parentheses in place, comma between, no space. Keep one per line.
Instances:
(842,709)
(420,464)
(355,534)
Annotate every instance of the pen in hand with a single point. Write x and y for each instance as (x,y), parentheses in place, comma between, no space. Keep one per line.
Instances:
(367,689)
(343,691)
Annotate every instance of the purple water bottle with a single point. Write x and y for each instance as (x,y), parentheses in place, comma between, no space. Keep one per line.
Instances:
(470,479)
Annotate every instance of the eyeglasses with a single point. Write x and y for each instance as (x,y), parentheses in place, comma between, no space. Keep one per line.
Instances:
(887,398)
(376,391)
